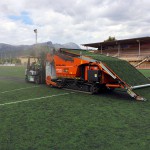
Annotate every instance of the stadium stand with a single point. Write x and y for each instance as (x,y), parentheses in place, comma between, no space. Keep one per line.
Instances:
(136,50)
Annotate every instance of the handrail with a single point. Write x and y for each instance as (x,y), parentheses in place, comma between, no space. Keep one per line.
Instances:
(144,59)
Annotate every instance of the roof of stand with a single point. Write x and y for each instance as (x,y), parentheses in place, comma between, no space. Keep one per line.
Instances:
(117,42)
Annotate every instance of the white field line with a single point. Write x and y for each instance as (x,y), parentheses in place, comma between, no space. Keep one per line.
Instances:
(26,100)
(17,89)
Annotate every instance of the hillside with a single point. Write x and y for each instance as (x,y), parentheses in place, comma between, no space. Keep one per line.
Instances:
(7,50)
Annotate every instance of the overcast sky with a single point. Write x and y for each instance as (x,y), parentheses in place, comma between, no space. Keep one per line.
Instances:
(79,21)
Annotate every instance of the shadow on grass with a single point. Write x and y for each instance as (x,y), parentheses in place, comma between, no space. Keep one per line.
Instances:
(117,95)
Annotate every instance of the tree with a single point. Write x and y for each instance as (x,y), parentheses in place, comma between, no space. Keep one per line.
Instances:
(110,38)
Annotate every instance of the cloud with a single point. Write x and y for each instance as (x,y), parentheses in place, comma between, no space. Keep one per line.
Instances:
(72,20)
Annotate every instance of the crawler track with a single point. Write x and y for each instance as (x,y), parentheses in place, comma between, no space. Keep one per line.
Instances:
(76,91)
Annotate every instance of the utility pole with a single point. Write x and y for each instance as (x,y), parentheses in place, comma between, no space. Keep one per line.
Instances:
(35,31)
(35,50)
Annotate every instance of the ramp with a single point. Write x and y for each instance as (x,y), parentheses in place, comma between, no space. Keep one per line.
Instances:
(145,59)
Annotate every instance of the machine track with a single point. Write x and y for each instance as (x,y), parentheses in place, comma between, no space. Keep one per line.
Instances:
(76,91)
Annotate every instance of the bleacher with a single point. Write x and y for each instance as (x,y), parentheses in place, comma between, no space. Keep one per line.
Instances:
(126,52)
(130,54)
(127,49)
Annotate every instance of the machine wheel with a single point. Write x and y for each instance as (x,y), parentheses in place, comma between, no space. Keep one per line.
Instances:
(37,80)
(26,79)
(59,85)
(94,89)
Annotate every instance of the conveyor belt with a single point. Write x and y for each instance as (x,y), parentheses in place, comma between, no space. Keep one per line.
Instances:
(123,69)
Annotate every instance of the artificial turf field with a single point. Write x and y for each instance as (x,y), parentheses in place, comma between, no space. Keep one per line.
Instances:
(36,117)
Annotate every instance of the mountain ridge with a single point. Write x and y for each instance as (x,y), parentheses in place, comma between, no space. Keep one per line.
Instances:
(8,50)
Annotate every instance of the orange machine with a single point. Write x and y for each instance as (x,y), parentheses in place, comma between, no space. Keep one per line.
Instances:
(69,70)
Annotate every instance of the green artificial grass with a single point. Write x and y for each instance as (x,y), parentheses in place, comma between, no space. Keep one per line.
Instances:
(122,68)
(146,72)
(77,121)
(144,92)
(14,71)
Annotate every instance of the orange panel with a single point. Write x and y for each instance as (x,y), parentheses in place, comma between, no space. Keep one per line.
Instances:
(68,68)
